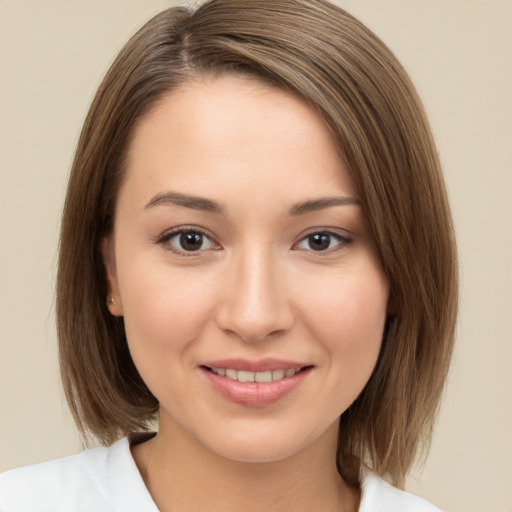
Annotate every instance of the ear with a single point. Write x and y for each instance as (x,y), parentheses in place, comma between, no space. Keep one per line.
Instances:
(113,298)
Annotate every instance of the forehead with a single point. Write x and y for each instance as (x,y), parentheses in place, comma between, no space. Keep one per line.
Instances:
(235,129)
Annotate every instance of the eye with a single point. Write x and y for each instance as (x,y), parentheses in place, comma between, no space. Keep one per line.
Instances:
(323,241)
(187,241)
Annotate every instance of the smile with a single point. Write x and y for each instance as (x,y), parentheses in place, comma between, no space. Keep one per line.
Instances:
(255,384)
(247,376)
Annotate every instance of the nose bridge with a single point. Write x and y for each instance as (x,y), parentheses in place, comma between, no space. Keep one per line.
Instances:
(255,302)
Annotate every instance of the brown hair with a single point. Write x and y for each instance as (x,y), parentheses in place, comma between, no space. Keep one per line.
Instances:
(346,73)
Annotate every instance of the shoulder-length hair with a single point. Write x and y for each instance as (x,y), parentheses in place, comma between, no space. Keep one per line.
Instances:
(342,70)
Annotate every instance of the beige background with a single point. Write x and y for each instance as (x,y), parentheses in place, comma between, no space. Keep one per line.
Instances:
(459,53)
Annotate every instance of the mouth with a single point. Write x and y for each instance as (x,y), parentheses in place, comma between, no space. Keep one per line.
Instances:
(255,384)
(260,377)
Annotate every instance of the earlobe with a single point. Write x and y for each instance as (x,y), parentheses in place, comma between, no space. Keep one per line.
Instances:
(113,298)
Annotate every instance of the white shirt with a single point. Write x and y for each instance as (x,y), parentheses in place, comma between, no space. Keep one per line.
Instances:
(108,480)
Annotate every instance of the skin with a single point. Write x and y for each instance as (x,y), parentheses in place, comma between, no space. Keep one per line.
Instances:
(255,288)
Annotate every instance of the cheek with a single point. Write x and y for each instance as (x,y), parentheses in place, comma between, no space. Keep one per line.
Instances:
(163,309)
(164,317)
(349,321)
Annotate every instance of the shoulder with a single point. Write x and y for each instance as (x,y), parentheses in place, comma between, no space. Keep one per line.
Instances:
(89,481)
(379,496)
(59,484)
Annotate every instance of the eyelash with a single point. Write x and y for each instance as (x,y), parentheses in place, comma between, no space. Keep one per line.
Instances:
(168,236)
(342,240)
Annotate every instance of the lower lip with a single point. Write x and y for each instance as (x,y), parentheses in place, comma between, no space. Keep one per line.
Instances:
(255,394)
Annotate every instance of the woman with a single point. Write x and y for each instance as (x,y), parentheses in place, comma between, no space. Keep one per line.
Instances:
(257,253)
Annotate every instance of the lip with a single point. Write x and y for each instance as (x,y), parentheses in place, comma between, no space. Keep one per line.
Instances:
(261,365)
(255,394)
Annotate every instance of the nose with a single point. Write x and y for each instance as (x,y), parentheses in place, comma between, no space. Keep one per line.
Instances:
(255,301)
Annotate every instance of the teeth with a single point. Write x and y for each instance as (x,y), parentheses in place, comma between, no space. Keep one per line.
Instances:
(232,374)
(244,376)
(263,376)
(278,374)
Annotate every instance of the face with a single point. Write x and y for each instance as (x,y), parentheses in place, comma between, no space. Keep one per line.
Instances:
(253,298)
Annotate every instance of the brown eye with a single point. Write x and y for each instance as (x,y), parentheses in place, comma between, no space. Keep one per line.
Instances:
(323,241)
(187,241)
(319,241)
(191,241)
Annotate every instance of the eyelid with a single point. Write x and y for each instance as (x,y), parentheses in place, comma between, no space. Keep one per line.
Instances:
(343,237)
(169,234)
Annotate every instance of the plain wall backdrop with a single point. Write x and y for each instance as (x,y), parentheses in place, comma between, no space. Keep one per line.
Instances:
(53,54)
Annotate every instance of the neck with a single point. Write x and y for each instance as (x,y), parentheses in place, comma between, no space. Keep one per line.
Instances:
(182,474)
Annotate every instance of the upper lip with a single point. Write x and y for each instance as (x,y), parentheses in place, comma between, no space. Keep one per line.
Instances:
(260,365)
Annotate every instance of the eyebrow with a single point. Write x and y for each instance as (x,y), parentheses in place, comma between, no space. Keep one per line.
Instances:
(319,204)
(207,205)
(188,201)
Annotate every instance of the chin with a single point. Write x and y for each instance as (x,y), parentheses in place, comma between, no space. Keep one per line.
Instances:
(258,453)
(264,446)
